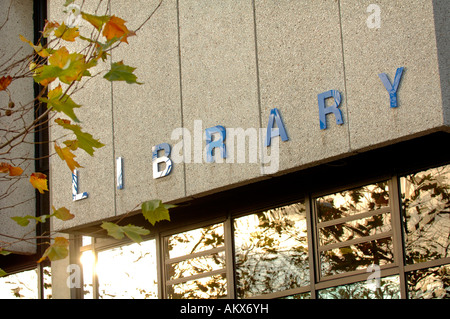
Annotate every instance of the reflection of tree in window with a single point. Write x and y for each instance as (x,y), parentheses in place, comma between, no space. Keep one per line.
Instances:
(426,212)
(271,251)
(355,215)
(193,253)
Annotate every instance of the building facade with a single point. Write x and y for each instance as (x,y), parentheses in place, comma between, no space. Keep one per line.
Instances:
(305,144)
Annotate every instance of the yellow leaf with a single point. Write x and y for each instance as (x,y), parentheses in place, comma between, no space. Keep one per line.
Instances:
(39,181)
(66,155)
(115,28)
(62,213)
(66,33)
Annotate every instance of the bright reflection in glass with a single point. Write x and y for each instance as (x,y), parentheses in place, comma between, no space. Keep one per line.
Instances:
(426,212)
(389,288)
(24,285)
(195,263)
(128,271)
(431,283)
(271,251)
(88,262)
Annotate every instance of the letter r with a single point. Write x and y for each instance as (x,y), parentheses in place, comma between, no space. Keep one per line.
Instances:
(323,111)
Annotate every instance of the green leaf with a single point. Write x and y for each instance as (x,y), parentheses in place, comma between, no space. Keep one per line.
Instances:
(61,103)
(24,221)
(155,211)
(4,252)
(2,273)
(121,72)
(56,251)
(85,140)
(96,21)
(131,231)
(68,2)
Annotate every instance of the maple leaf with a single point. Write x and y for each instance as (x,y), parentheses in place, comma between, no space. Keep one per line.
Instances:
(66,33)
(96,21)
(121,72)
(5,81)
(8,168)
(66,155)
(131,231)
(62,213)
(115,28)
(49,27)
(58,250)
(61,103)
(39,181)
(40,50)
(155,211)
(85,140)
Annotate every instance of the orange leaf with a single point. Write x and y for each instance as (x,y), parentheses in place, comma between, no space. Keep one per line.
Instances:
(66,155)
(5,82)
(115,28)
(13,171)
(39,181)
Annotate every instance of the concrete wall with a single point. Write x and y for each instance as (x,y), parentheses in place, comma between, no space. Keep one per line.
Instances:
(17,196)
(229,63)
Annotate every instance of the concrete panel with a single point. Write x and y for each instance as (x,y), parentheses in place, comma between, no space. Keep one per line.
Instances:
(17,196)
(405,38)
(97,175)
(300,56)
(145,115)
(442,16)
(219,87)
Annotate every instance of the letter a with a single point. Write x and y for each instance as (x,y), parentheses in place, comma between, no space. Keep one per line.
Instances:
(272,132)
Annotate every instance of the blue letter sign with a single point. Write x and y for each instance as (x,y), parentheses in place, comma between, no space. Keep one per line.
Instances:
(272,132)
(219,143)
(392,89)
(163,159)
(323,111)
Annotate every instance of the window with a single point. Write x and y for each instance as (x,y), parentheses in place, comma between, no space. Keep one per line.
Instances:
(385,239)
(25,285)
(195,264)
(266,242)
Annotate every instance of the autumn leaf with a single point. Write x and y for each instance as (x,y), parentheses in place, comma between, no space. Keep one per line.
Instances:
(66,155)
(40,50)
(2,273)
(58,250)
(155,211)
(39,181)
(25,220)
(8,168)
(66,33)
(96,21)
(61,103)
(85,140)
(115,28)
(121,72)
(5,81)
(49,27)
(62,213)
(131,231)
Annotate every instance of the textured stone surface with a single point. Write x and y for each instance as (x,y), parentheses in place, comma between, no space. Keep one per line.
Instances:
(300,56)
(17,197)
(406,38)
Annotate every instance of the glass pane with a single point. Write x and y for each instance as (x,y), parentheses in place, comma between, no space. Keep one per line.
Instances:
(431,283)
(128,271)
(271,251)
(212,287)
(195,241)
(360,256)
(305,295)
(88,262)
(386,288)
(355,229)
(195,266)
(426,212)
(22,285)
(351,202)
